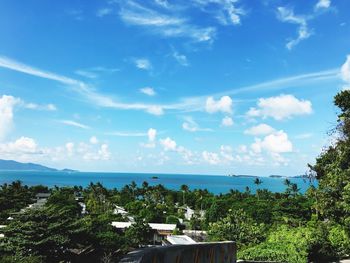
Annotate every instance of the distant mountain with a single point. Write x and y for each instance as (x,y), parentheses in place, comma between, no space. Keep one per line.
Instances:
(10,165)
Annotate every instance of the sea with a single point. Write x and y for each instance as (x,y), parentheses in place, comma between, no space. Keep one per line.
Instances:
(214,183)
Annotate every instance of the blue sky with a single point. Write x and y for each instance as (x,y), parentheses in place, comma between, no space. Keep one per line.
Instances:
(196,86)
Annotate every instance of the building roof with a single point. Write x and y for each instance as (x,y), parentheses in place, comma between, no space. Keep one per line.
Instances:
(42,195)
(180,240)
(164,227)
(121,224)
(154,226)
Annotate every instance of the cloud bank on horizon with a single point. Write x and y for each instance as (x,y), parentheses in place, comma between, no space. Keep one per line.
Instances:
(172,86)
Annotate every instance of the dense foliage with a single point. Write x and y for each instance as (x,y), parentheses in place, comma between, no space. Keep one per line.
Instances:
(286,227)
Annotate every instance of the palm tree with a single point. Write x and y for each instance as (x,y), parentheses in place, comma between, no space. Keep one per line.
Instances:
(257,181)
(288,183)
(184,188)
(133,187)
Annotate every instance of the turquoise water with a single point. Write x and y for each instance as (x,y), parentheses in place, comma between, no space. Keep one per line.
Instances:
(215,184)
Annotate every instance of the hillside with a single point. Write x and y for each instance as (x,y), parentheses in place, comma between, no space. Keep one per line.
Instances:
(10,165)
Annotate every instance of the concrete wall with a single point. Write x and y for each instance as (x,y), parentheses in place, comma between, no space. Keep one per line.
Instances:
(220,252)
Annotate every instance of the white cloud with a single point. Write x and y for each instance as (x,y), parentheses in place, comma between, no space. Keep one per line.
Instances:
(152,133)
(278,159)
(168,144)
(7,104)
(70,148)
(187,155)
(224,104)
(261,129)
(287,15)
(280,107)
(277,142)
(104,152)
(103,12)
(93,140)
(74,124)
(24,145)
(323,4)
(181,59)
(27,149)
(242,148)
(165,25)
(226,152)
(211,157)
(93,153)
(23,149)
(345,72)
(155,110)
(192,126)
(227,121)
(148,91)
(143,63)
(189,127)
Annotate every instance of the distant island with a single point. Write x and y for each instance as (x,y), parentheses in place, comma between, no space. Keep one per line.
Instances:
(276,176)
(242,175)
(10,165)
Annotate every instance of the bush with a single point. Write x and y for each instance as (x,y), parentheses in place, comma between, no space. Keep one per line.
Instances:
(340,240)
(172,219)
(316,242)
(14,259)
(237,226)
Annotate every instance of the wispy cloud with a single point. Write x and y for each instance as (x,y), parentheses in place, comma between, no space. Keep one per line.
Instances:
(287,15)
(74,124)
(186,104)
(143,63)
(162,3)
(103,12)
(44,107)
(86,74)
(226,11)
(94,72)
(166,25)
(127,134)
(80,87)
(180,58)
(323,4)
(77,14)
(192,126)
